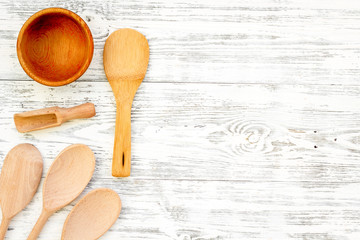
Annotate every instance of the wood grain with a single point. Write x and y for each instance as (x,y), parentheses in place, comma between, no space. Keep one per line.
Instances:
(55,46)
(19,180)
(66,178)
(126,58)
(253,41)
(217,162)
(51,117)
(227,128)
(245,127)
(93,215)
(191,209)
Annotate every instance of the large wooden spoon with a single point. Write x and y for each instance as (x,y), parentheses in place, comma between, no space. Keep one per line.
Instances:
(126,57)
(19,180)
(66,179)
(92,216)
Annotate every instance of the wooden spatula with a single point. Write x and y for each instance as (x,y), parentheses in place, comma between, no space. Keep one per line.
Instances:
(126,57)
(19,180)
(51,117)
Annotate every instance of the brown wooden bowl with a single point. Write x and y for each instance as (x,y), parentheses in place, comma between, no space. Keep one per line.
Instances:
(55,46)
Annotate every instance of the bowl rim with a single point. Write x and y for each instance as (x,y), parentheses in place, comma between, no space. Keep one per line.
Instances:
(89,40)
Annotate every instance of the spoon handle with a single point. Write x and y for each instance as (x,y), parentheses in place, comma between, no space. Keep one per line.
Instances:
(3,227)
(39,225)
(86,110)
(121,164)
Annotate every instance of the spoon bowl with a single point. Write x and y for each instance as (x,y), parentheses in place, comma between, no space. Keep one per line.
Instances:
(126,58)
(93,215)
(67,177)
(19,180)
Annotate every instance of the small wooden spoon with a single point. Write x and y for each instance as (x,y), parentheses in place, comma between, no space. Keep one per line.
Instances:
(93,215)
(126,57)
(19,180)
(66,179)
(51,117)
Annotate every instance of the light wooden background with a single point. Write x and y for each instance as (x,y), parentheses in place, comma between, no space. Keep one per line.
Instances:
(247,125)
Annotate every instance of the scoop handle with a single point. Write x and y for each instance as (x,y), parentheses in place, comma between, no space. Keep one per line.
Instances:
(86,110)
(4,227)
(121,164)
(39,225)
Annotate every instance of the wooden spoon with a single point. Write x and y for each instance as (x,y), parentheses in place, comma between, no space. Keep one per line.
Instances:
(66,179)
(51,117)
(126,57)
(92,216)
(19,180)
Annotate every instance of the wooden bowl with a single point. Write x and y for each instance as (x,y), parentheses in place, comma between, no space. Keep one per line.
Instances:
(55,46)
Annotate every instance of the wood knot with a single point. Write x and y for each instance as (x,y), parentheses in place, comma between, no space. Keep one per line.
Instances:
(250,137)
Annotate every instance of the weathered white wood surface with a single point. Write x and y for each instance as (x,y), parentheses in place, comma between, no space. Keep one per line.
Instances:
(245,127)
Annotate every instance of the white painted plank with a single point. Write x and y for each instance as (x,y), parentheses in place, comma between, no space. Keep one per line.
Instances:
(255,41)
(205,131)
(218,210)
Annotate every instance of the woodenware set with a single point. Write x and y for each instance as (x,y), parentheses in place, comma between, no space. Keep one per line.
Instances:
(66,179)
(55,47)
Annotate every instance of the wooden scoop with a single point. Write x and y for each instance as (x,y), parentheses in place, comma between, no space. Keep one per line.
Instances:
(19,180)
(126,57)
(51,117)
(66,179)
(92,216)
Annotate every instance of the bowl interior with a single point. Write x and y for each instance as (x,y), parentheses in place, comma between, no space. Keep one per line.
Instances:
(55,48)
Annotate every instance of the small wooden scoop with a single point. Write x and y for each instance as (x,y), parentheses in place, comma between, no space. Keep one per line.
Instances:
(93,215)
(126,57)
(51,117)
(66,179)
(19,180)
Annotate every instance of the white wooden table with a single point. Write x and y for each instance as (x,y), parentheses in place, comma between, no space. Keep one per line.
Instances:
(247,125)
